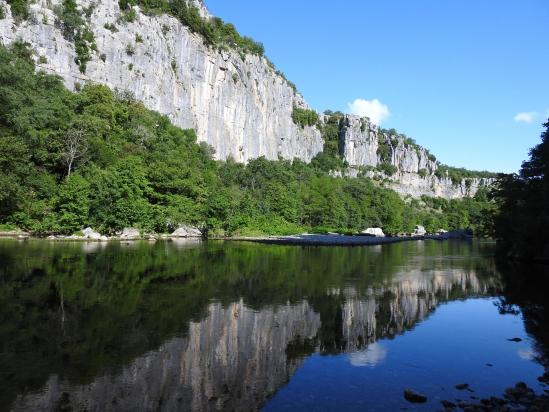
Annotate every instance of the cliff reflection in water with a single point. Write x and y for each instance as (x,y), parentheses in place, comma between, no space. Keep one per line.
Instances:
(214,326)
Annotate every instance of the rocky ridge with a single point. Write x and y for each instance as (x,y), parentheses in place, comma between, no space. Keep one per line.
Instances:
(415,167)
(238,104)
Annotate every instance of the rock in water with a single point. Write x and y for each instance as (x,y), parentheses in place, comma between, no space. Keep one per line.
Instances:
(448,404)
(419,231)
(414,397)
(462,386)
(130,233)
(186,231)
(91,234)
(373,231)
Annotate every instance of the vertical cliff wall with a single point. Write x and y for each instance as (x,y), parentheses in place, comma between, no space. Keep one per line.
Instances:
(365,147)
(237,103)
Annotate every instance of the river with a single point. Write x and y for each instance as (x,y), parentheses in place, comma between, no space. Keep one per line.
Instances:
(219,325)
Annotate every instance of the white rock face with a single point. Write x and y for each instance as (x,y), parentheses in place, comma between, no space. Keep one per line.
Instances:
(374,231)
(239,106)
(420,231)
(359,142)
(186,231)
(89,233)
(130,233)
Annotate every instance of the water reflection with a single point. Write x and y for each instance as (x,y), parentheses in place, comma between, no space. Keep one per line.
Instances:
(373,355)
(209,326)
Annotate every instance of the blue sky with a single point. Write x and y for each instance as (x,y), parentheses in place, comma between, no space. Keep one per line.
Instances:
(467,79)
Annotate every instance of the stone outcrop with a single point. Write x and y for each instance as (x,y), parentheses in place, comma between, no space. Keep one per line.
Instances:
(130,233)
(359,146)
(186,231)
(374,231)
(237,104)
(419,231)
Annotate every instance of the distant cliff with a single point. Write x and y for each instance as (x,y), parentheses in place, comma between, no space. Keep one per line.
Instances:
(237,102)
(412,169)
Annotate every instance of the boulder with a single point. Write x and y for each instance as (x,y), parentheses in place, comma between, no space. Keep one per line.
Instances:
(186,231)
(373,231)
(420,231)
(89,233)
(130,233)
(414,397)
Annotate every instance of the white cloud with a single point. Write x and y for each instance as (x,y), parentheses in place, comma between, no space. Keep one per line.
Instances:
(525,117)
(374,109)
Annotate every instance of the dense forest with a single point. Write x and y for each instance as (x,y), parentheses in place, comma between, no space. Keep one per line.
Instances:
(523,200)
(99,158)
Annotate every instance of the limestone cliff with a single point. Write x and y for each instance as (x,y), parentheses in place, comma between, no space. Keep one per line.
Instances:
(238,104)
(364,147)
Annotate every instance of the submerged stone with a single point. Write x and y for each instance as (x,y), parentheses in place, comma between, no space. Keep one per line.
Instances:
(414,397)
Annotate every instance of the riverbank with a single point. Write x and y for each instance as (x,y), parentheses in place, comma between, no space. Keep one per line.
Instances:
(304,239)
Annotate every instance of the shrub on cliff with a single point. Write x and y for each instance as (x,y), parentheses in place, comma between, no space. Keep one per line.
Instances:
(214,31)
(304,117)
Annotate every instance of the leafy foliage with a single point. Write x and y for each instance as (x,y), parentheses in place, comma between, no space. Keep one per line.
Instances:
(138,168)
(384,148)
(75,29)
(387,168)
(304,117)
(99,158)
(523,221)
(330,134)
(19,9)
(215,31)
(457,175)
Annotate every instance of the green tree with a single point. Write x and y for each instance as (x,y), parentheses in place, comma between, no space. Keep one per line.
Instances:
(73,203)
(523,220)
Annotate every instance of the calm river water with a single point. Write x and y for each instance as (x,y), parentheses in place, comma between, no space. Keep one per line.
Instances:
(237,326)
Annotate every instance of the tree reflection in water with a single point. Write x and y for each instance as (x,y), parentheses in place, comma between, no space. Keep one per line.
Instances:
(212,325)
